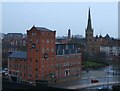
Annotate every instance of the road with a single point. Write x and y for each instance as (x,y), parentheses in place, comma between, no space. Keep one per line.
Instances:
(104,75)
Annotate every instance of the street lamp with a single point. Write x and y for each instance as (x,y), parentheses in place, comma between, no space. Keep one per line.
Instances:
(108,78)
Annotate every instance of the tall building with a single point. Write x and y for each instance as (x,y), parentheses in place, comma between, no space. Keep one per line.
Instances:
(41,53)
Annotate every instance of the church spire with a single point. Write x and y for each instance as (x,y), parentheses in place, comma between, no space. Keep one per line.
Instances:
(89,25)
(69,33)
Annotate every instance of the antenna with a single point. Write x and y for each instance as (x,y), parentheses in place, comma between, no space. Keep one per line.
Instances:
(100,31)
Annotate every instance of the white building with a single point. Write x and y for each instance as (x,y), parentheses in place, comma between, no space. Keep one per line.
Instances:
(78,36)
(114,50)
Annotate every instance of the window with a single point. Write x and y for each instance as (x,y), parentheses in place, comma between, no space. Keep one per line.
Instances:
(36,60)
(52,66)
(10,72)
(30,68)
(37,41)
(36,69)
(30,40)
(52,49)
(43,50)
(20,65)
(47,41)
(89,39)
(24,74)
(47,59)
(47,49)
(30,60)
(33,34)
(47,67)
(42,75)
(52,41)
(42,67)
(10,65)
(24,66)
(36,50)
(43,33)
(36,76)
(43,41)
(43,60)
(48,34)
(52,59)
(30,49)
(16,73)
(30,75)
(20,74)
(17,65)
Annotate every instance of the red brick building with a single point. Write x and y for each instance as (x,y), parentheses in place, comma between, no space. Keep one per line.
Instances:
(40,62)
(68,65)
(41,54)
(17,65)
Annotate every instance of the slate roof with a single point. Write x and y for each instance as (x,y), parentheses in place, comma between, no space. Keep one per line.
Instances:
(42,29)
(17,54)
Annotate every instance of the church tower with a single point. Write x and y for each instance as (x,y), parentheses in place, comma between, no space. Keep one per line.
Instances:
(89,35)
(89,30)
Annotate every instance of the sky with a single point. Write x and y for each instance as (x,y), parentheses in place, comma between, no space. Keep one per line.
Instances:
(60,16)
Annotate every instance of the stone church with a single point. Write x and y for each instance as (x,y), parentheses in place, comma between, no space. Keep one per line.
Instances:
(93,43)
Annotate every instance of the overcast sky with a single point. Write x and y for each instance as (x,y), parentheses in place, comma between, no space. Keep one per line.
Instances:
(19,17)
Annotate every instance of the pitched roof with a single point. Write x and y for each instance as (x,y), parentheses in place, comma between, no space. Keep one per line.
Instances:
(42,29)
(18,55)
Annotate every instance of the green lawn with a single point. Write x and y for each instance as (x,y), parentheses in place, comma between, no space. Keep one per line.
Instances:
(90,64)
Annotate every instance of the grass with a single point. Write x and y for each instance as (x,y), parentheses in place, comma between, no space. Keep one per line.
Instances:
(90,64)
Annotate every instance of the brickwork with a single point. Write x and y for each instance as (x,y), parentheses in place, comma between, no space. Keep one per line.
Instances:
(41,61)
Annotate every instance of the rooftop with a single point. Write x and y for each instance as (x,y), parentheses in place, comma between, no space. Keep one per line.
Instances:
(42,28)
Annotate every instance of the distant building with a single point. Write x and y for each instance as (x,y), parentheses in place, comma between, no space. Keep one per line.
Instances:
(24,35)
(113,50)
(93,43)
(77,36)
(12,42)
(1,36)
(62,49)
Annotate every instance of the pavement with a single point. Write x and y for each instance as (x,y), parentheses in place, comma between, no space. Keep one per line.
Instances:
(84,80)
(90,85)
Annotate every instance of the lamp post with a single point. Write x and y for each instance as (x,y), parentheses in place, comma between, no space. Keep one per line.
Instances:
(108,78)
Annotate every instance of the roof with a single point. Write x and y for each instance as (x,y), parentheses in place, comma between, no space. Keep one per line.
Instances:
(17,54)
(42,29)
